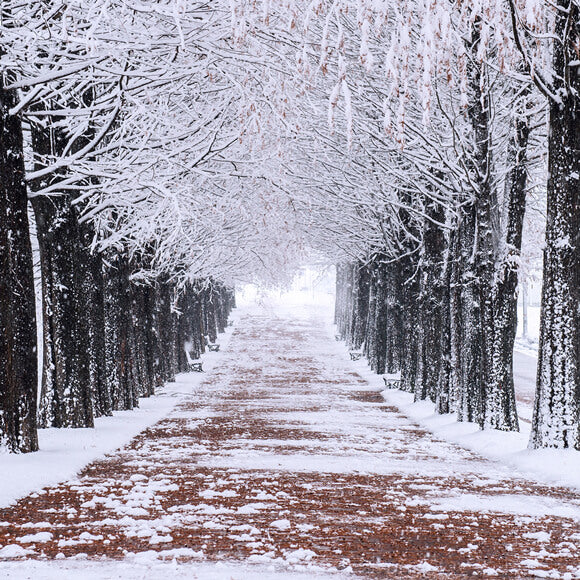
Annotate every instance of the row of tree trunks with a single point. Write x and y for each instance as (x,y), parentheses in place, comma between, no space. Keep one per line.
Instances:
(423,319)
(448,306)
(107,340)
(445,316)
(147,329)
(438,316)
(66,378)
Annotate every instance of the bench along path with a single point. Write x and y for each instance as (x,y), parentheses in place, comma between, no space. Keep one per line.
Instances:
(286,456)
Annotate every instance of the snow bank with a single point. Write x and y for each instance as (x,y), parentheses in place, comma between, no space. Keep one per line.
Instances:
(549,466)
(151,568)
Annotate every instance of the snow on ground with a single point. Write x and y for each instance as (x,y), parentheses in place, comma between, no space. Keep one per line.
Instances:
(551,466)
(63,452)
(147,566)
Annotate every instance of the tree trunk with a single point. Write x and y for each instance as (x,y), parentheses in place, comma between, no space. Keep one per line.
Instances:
(93,293)
(18,352)
(500,403)
(198,331)
(469,337)
(143,306)
(371,331)
(362,281)
(166,329)
(412,327)
(444,401)
(478,244)
(556,421)
(431,297)
(66,396)
(211,313)
(120,351)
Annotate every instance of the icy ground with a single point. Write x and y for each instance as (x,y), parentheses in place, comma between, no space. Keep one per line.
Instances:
(286,461)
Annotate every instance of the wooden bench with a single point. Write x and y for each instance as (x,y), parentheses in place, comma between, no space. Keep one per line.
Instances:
(213,347)
(354,355)
(196,367)
(392,381)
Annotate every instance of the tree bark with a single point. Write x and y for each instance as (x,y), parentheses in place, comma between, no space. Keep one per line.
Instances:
(120,351)
(360,306)
(431,303)
(556,420)
(166,331)
(66,396)
(500,401)
(477,247)
(18,352)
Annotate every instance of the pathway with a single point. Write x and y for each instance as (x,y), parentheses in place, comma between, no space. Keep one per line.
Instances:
(286,457)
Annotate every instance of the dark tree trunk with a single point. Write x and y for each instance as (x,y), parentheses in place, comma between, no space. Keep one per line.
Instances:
(166,331)
(361,306)
(556,421)
(185,327)
(223,309)
(18,352)
(210,307)
(198,330)
(395,338)
(477,237)
(152,352)
(382,330)
(412,326)
(339,285)
(345,301)
(120,351)
(94,308)
(431,304)
(444,399)
(66,396)
(467,313)
(143,297)
(370,347)
(500,403)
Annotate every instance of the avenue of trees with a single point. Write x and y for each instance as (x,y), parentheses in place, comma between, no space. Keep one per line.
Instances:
(165,150)
(114,121)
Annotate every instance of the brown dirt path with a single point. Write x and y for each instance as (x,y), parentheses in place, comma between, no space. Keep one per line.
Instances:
(287,457)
